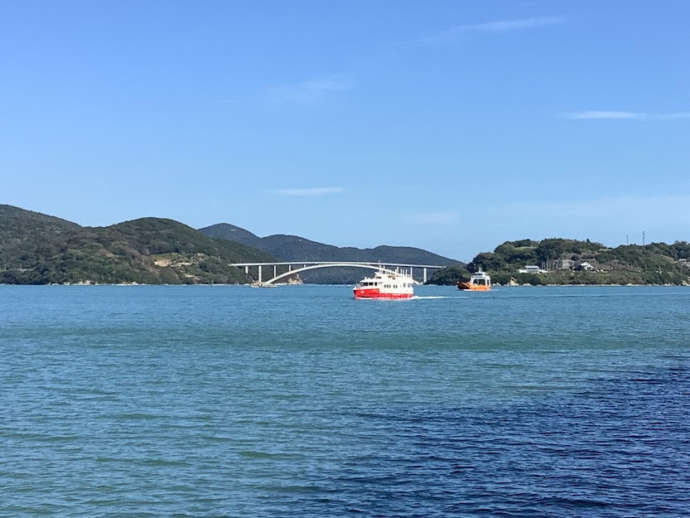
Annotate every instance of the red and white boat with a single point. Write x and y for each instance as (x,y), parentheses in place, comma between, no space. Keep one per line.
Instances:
(385,285)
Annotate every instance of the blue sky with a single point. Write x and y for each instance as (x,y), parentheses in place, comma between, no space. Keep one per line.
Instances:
(451,126)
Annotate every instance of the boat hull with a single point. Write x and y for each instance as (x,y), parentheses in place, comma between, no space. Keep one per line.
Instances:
(466,286)
(376,294)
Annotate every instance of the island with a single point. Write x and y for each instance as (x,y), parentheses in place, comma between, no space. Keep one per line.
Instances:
(559,261)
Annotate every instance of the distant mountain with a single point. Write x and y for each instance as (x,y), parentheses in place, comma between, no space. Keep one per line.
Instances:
(40,249)
(297,248)
(233,233)
(568,261)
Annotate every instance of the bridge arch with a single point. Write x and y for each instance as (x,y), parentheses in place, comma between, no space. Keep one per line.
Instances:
(330,265)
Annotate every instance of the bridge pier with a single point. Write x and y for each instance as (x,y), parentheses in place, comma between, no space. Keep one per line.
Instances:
(246,270)
(424,275)
(259,273)
(275,270)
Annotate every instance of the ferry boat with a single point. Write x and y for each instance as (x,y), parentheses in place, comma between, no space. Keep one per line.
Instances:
(385,285)
(479,281)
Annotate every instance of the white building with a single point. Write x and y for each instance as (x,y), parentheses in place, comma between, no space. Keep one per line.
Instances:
(531,269)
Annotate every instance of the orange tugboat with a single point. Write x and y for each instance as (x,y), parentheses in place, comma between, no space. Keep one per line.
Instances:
(478,282)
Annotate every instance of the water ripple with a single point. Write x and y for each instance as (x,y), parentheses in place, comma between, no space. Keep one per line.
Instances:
(173,401)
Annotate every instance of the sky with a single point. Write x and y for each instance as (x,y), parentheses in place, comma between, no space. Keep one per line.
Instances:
(451,126)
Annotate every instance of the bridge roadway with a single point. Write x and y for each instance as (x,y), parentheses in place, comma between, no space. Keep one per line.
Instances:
(303,266)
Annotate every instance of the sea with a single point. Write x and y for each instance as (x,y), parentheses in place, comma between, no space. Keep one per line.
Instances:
(299,401)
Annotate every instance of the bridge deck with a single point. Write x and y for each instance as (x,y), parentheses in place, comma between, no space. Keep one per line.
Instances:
(345,263)
(295,267)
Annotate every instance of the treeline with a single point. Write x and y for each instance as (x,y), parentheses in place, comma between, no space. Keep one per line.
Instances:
(569,261)
(40,249)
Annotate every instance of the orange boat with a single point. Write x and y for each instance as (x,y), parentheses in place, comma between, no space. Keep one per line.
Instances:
(478,282)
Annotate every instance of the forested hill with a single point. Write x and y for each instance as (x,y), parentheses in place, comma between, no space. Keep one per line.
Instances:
(296,248)
(40,249)
(568,261)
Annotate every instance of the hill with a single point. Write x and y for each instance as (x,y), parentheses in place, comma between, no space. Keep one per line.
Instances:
(233,233)
(297,248)
(568,261)
(39,249)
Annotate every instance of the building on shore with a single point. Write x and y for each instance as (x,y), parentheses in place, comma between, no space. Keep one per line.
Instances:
(530,268)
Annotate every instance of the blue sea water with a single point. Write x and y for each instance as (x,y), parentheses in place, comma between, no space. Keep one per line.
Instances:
(300,401)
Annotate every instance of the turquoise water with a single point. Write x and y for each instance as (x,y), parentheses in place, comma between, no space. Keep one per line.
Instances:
(300,401)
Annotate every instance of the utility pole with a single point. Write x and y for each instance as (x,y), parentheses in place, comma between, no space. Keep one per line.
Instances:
(643,238)
(627,239)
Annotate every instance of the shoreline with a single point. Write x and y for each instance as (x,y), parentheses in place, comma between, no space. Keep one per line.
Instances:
(135,284)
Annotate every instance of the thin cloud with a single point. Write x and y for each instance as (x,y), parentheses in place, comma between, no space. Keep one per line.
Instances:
(308,191)
(622,115)
(512,25)
(495,27)
(310,90)
(433,218)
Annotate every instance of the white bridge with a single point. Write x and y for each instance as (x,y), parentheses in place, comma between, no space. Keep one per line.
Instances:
(295,267)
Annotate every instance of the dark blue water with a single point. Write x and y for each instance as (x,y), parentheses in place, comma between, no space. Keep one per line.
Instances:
(299,401)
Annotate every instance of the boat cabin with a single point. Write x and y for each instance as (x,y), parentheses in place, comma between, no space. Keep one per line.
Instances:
(480,279)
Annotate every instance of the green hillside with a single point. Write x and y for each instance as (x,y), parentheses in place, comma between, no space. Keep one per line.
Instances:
(568,261)
(234,233)
(297,248)
(40,249)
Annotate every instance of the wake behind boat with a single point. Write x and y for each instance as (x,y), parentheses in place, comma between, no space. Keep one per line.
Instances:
(385,285)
